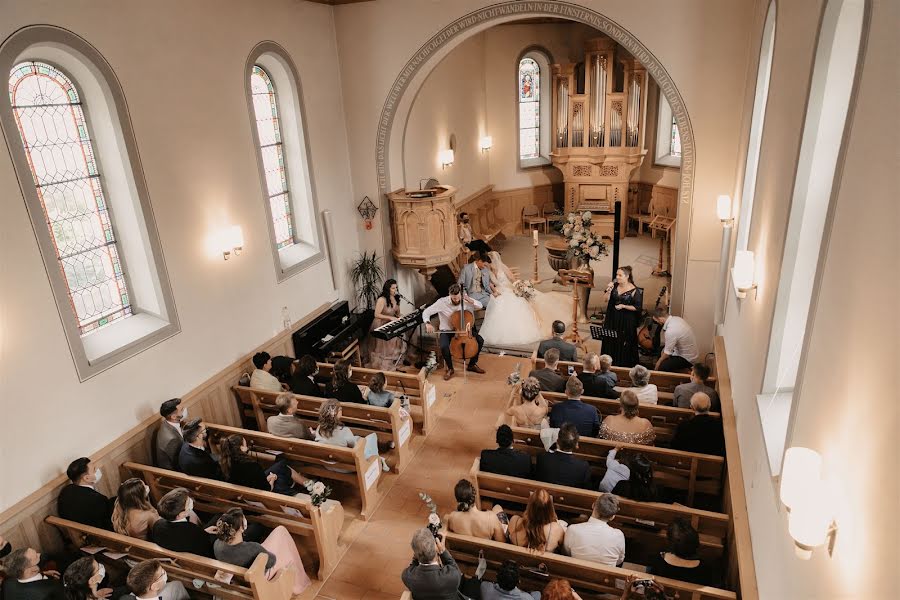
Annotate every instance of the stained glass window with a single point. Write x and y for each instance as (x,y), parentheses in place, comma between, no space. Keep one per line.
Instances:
(50,116)
(529,109)
(265,108)
(675,143)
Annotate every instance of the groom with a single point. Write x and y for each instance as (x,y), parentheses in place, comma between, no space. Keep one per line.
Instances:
(445,307)
(475,277)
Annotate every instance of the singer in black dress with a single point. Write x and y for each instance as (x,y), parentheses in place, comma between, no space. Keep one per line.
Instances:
(623,313)
(385,354)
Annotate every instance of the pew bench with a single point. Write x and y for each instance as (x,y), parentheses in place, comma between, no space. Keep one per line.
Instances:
(363,419)
(315,459)
(245,584)
(301,519)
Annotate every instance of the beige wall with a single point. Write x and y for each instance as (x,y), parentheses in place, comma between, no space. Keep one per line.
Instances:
(181,68)
(847,407)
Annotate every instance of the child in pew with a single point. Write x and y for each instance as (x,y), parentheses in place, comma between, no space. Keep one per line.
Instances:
(377,395)
(615,471)
(332,431)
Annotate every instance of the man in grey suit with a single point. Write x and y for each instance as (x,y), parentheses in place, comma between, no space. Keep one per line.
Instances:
(550,380)
(285,423)
(433,574)
(475,277)
(168,436)
(566,350)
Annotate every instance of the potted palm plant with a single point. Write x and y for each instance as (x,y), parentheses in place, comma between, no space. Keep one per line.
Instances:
(367,275)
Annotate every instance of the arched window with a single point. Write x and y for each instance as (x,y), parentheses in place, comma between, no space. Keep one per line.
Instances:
(675,143)
(668,139)
(532,97)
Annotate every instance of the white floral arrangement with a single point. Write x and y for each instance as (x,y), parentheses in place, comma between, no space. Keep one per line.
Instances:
(434,520)
(318,492)
(430,363)
(523,288)
(583,243)
(515,376)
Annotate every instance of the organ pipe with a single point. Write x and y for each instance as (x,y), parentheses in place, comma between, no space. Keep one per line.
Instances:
(562,114)
(598,99)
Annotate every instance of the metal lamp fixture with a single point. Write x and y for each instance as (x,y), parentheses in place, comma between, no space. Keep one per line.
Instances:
(367,210)
(723,210)
(446,158)
(805,494)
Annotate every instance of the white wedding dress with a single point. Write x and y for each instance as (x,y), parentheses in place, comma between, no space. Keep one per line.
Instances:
(511,320)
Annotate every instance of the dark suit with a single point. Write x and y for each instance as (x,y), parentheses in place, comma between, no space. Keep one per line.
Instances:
(566,350)
(702,433)
(183,536)
(597,386)
(303,385)
(44,589)
(199,463)
(506,461)
(583,416)
(349,392)
(168,445)
(550,380)
(86,506)
(560,468)
(433,582)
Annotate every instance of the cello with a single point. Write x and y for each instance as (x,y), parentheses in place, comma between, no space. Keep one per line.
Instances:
(463,345)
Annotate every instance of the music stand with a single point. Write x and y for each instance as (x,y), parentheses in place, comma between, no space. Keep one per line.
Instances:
(609,339)
(576,278)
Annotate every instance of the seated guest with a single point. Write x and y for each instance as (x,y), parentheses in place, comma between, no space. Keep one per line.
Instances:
(627,426)
(559,589)
(594,385)
(82,580)
(281,369)
(528,407)
(242,469)
(168,436)
(133,514)
(175,531)
(506,460)
(262,378)
(303,381)
(573,410)
(680,350)
(5,547)
(432,574)
(566,349)
(149,581)
(561,467)
(340,387)
(594,539)
(701,433)
(605,372)
(639,485)
(469,519)
(538,528)
(23,579)
(194,459)
(699,377)
(616,471)
(279,547)
(378,396)
(646,392)
(79,501)
(507,586)
(682,561)
(331,429)
(550,380)
(641,588)
(285,423)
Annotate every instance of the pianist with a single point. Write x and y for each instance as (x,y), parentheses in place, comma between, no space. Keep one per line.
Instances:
(445,307)
(385,355)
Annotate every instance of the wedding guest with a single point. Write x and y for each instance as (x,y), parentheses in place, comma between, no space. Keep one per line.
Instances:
(680,349)
(550,380)
(506,460)
(465,229)
(378,396)
(595,385)
(23,579)
(149,581)
(175,531)
(639,485)
(469,519)
(79,501)
(168,436)
(262,378)
(682,561)
(685,391)
(340,387)
(640,588)
(331,429)
(538,529)
(281,369)
(701,433)
(627,426)
(573,410)
(82,580)
(286,423)
(385,354)
(507,585)
(559,589)
(616,471)
(605,371)
(133,514)
(5,547)
(240,468)
(646,392)
(566,349)
(432,574)
(594,539)
(194,459)
(303,380)
(279,547)
(561,467)
(527,405)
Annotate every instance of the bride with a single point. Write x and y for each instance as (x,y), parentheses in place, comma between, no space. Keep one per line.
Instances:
(511,320)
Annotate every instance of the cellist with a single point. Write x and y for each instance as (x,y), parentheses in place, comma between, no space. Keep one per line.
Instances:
(444,308)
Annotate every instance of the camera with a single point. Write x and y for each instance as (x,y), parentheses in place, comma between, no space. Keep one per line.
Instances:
(571,370)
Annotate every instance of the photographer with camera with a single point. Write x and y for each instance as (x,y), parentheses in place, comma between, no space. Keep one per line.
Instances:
(432,574)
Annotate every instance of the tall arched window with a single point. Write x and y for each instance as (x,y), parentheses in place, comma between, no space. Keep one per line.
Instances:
(532,97)
(668,138)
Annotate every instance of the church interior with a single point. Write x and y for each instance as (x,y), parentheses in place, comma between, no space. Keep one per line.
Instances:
(207,204)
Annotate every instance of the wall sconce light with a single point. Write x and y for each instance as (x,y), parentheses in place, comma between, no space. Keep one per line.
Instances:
(446,158)
(743,275)
(231,241)
(486,143)
(808,500)
(723,210)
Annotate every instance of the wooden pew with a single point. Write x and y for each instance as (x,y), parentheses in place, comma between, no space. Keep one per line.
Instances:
(297,515)
(312,458)
(589,579)
(421,392)
(643,523)
(246,584)
(363,419)
(687,471)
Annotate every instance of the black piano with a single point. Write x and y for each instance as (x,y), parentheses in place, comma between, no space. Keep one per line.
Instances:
(332,331)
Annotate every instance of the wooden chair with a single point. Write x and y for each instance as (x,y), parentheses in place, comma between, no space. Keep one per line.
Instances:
(551,213)
(321,524)
(531,217)
(190,569)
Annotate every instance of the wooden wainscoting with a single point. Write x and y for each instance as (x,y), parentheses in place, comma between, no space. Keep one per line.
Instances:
(511,202)
(23,523)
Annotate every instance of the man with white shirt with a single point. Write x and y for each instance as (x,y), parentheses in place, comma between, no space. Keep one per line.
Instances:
(261,378)
(680,350)
(595,540)
(149,581)
(169,436)
(443,308)
(25,580)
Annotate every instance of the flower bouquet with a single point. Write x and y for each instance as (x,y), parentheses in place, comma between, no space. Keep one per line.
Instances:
(515,376)
(523,288)
(583,243)
(318,492)
(434,521)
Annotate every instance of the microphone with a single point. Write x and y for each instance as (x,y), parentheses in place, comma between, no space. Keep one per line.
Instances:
(399,295)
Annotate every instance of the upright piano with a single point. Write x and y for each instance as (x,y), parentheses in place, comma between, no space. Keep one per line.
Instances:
(332,331)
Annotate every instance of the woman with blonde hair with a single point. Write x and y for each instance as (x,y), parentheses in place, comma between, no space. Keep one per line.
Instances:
(538,529)
(527,405)
(627,426)
(332,431)
(133,514)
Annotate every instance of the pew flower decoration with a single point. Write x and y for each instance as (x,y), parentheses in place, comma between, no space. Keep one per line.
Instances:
(318,492)
(583,243)
(515,376)
(523,288)
(430,363)
(434,521)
